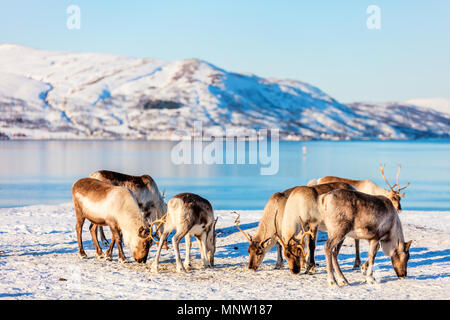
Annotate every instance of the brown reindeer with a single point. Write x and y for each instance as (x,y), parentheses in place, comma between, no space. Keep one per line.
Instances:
(266,235)
(369,187)
(362,216)
(301,212)
(106,205)
(144,188)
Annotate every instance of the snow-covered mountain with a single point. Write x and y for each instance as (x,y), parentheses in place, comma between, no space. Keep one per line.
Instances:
(51,94)
(438,104)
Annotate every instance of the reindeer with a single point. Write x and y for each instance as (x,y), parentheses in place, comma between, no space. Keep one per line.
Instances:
(144,188)
(106,205)
(369,187)
(362,216)
(189,214)
(301,211)
(266,237)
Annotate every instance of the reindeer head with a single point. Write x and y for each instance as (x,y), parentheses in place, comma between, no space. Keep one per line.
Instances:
(142,245)
(294,252)
(211,242)
(400,257)
(394,194)
(256,249)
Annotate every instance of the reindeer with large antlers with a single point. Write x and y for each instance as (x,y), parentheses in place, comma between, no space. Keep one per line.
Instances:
(369,187)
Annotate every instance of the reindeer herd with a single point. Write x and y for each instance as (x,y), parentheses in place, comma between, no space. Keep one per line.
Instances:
(134,210)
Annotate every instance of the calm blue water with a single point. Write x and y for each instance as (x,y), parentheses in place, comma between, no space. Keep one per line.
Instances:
(42,172)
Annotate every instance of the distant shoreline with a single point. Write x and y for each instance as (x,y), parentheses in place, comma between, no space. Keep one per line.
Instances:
(446,139)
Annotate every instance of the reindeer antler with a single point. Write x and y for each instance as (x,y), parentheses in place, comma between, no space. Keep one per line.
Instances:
(382,173)
(302,238)
(249,237)
(161,221)
(398,184)
(276,232)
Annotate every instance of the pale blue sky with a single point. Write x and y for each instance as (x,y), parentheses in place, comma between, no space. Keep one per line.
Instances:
(325,43)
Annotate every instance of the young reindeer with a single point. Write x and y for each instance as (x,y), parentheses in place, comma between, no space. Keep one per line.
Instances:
(189,214)
(369,187)
(362,216)
(106,205)
(144,188)
(301,212)
(266,235)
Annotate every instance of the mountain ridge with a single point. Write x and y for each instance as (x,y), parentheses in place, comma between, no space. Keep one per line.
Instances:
(65,95)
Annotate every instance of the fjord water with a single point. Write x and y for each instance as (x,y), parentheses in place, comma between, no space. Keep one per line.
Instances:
(42,172)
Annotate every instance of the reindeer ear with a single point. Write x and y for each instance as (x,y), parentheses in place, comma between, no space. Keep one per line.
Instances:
(146,179)
(144,232)
(402,195)
(408,245)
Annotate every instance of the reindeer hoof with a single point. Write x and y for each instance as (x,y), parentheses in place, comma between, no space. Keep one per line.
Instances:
(310,270)
(364,268)
(356,265)
(187,266)
(343,282)
(278,267)
(332,284)
(371,280)
(181,270)
(82,255)
(123,260)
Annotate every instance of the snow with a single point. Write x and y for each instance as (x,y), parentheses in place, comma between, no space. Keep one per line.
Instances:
(55,94)
(437,104)
(38,260)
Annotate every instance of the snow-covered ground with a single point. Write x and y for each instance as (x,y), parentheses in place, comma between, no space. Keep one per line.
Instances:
(38,260)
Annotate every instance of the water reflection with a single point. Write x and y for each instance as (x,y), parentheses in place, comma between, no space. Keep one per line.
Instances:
(33,172)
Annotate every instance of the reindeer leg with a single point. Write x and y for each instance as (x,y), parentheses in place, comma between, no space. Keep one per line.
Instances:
(109,252)
(118,240)
(164,236)
(341,278)
(176,248)
(200,246)
(79,227)
(366,264)
(357,257)
(187,259)
(374,246)
(204,254)
(280,261)
(329,249)
(93,229)
(102,236)
(311,263)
